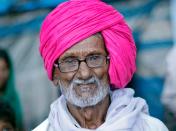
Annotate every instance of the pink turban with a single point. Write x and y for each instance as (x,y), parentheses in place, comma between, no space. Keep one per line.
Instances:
(76,20)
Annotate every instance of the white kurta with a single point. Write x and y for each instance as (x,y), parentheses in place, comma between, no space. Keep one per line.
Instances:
(125,113)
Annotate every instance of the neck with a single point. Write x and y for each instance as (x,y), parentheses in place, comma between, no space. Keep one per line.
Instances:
(90,117)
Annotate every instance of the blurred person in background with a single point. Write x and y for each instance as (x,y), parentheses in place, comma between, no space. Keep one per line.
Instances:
(7,87)
(89,53)
(7,117)
(169,93)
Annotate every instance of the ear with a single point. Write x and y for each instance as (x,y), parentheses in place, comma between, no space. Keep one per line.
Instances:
(56,76)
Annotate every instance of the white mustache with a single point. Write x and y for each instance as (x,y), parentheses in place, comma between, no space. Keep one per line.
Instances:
(89,81)
(80,101)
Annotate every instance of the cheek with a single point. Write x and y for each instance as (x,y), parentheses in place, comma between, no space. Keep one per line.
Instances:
(102,74)
(66,78)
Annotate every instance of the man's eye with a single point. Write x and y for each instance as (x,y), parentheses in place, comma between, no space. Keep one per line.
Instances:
(70,61)
(94,57)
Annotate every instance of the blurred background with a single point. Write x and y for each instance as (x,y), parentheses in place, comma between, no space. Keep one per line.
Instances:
(154,29)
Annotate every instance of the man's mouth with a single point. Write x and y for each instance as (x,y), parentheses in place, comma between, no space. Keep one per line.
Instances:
(83,89)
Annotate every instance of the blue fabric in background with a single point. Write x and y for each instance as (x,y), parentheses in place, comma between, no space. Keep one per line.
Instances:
(7,6)
(150,89)
(13,29)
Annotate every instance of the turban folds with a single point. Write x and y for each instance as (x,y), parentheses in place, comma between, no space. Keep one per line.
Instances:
(76,20)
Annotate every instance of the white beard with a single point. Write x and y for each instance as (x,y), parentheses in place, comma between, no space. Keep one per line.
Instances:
(71,96)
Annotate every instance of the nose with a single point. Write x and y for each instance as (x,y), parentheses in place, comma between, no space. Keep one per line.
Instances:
(84,72)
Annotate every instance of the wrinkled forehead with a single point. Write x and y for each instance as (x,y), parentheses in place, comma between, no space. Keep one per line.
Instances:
(91,45)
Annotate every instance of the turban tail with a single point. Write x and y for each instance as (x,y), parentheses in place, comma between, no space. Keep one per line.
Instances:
(76,20)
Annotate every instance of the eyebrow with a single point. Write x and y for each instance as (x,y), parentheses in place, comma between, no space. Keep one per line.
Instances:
(73,54)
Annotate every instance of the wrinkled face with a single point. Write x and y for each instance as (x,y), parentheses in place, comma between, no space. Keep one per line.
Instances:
(4,73)
(5,126)
(85,86)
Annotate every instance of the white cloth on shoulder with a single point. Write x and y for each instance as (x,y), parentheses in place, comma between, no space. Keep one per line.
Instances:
(126,113)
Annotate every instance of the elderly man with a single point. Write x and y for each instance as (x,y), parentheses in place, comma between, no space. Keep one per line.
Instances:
(89,53)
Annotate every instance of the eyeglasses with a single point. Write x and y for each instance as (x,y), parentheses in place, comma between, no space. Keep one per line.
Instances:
(72,64)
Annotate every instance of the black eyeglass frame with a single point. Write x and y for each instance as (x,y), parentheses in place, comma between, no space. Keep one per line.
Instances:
(79,61)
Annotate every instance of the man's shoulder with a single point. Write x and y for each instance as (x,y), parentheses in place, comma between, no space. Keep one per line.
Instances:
(44,126)
(153,123)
